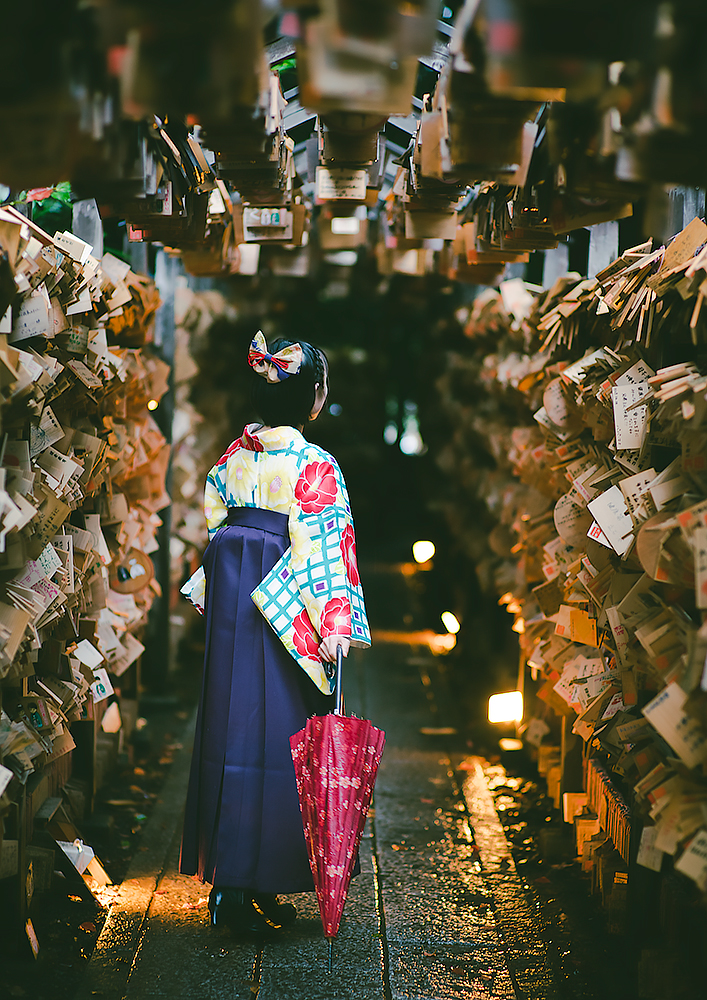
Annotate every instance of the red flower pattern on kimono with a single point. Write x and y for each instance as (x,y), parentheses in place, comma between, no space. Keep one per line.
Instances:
(249,441)
(304,636)
(336,619)
(348,552)
(246,441)
(316,487)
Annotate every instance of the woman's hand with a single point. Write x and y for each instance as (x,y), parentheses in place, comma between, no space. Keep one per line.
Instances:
(327,649)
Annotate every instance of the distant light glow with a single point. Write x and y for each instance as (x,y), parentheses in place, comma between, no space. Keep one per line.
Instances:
(440,644)
(335,409)
(423,551)
(509,744)
(390,434)
(506,707)
(153,404)
(342,258)
(450,622)
(411,442)
(345,225)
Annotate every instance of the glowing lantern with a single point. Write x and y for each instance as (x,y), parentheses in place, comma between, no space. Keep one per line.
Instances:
(422,551)
(506,707)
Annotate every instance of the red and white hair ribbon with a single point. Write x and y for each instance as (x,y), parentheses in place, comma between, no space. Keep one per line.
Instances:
(274,367)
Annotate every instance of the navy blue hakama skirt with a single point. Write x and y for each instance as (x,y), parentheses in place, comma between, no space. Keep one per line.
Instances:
(243,826)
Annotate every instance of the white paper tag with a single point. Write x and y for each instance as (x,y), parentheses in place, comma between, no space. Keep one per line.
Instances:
(699,543)
(6,776)
(640,372)
(341,183)
(630,426)
(597,535)
(101,687)
(82,305)
(693,861)
(87,653)
(649,856)
(610,512)
(46,434)
(126,654)
(116,269)
(49,561)
(33,319)
(74,247)
(682,732)
(634,488)
(619,632)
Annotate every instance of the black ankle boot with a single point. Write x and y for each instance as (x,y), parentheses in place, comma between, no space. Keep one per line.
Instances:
(281,913)
(218,907)
(237,910)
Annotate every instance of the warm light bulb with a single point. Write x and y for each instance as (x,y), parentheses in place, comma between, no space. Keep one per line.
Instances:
(153,404)
(422,551)
(450,622)
(506,707)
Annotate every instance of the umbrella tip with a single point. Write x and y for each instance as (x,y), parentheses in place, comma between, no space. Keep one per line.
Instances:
(331,954)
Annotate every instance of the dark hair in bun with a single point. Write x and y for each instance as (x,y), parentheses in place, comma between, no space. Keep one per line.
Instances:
(289,403)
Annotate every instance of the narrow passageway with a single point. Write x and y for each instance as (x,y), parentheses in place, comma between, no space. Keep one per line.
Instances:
(353,320)
(438,912)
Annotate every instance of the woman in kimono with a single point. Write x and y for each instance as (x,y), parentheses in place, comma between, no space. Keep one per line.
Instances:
(279,584)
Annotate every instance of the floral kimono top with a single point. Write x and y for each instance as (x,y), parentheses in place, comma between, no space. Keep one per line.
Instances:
(315,589)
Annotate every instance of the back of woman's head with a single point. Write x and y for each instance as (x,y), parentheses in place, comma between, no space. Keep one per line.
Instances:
(290,401)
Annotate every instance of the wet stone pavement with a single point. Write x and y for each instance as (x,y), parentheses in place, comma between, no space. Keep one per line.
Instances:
(439,911)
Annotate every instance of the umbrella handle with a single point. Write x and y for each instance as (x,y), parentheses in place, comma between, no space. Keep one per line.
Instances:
(339,689)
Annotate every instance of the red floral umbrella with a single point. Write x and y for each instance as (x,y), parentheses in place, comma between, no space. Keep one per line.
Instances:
(336,759)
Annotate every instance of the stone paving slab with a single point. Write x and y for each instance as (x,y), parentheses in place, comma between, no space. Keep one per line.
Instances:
(526,950)
(296,968)
(181,957)
(112,959)
(438,912)
(442,937)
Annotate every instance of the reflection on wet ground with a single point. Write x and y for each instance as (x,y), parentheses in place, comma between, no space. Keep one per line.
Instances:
(439,911)
(444,907)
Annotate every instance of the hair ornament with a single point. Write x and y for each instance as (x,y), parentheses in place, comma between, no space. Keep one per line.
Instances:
(274,367)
